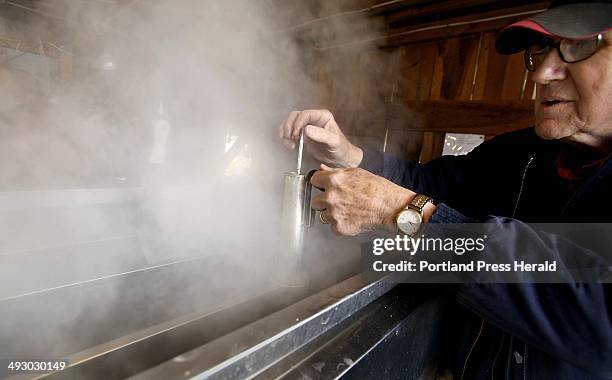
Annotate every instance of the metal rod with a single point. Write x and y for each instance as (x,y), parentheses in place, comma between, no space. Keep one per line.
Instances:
(300,152)
(270,339)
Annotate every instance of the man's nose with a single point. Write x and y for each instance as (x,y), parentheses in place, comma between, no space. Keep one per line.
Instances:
(551,69)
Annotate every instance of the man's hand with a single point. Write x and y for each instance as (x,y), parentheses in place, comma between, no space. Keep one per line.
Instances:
(356,201)
(322,138)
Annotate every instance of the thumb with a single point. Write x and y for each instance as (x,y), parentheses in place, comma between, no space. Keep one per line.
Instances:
(326,168)
(322,136)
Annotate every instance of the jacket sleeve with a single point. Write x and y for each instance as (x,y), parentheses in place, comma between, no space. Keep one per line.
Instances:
(446,179)
(449,178)
(569,319)
(433,178)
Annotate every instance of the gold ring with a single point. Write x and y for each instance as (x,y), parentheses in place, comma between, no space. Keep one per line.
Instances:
(321,218)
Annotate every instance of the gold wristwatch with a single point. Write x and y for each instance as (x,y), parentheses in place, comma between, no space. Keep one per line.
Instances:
(410,219)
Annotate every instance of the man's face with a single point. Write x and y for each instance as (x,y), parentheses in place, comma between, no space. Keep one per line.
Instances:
(574,100)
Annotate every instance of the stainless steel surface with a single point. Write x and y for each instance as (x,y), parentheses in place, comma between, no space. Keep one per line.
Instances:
(119,313)
(248,351)
(93,280)
(167,307)
(292,231)
(51,238)
(395,337)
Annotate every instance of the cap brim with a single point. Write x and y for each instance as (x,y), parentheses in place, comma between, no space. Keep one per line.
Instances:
(519,36)
(576,21)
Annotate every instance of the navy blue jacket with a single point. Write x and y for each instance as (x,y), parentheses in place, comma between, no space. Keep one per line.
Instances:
(520,330)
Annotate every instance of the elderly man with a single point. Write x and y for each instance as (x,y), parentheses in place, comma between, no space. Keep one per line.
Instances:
(558,171)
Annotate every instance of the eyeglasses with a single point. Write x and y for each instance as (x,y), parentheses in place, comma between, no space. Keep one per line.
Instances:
(570,51)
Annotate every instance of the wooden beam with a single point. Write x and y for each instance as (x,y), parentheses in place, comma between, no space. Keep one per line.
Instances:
(477,117)
(444,32)
(27,32)
(43,49)
(417,23)
(439,11)
(459,10)
(433,142)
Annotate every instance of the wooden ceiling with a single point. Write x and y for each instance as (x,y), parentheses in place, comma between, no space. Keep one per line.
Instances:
(43,26)
(394,23)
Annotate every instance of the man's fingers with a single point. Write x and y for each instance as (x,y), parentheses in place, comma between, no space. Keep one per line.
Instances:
(289,131)
(322,136)
(286,129)
(289,144)
(281,130)
(325,167)
(320,179)
(317,118)
(319,202)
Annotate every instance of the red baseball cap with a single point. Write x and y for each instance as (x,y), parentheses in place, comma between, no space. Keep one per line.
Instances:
(564,18)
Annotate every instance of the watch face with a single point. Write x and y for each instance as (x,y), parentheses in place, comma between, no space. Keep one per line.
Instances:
(409,221)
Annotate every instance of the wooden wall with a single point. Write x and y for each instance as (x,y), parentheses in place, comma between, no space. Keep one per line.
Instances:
(413,91)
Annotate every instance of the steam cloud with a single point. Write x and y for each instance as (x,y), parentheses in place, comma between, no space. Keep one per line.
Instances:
(158,146)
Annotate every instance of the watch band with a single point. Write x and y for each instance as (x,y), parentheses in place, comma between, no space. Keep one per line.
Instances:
(419,202)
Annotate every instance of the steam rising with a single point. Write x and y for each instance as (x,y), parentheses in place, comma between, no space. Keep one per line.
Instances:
(157,146)
(156,91)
